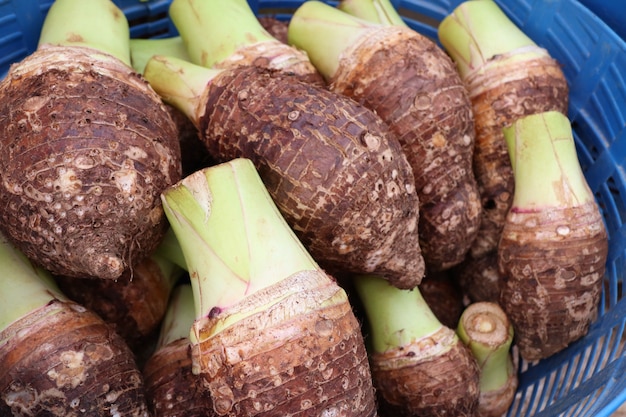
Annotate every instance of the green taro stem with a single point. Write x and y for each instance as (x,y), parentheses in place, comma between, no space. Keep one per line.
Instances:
(141,50)
(97,24)
(545,164)
(378,11)
(179,316)
(486,330)
(396,317)
(24,287)
(467,34)
(180,83)
(212,30)
(234,239)
(325,33)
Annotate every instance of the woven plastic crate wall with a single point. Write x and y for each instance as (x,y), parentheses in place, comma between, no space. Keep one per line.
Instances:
(587,379)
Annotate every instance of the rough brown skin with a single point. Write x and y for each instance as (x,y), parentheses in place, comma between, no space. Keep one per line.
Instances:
(87,147)
(275,55)
(194,155)
(479,278)
(275,27)
(63,360)
(427,379)
(499,97)
(335,171)
(172,390)
(444,297)
(414,87)
(134,305)
(552,268)
(300,357)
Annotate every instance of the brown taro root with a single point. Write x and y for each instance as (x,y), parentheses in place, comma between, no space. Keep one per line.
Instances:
(508,76)
(134,304)
(336,172)
(58,358)
(224,34)
(273,335)
(172,390)
(275,27)
(554,246)
(419,366)
(87,147)
(444,297)
(414,87)
(479,278)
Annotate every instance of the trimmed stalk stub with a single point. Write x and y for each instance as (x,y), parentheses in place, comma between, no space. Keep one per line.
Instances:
(414,87)
(419,366)
(379,11)
(487,331)
(507,76)
(272,331)
(554,245)
(227,34)
(353,206)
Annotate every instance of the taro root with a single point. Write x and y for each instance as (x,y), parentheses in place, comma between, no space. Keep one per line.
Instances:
(172,390)
(336,172)
(553,250)
(419,366)
(275,27)
(487,331)
(134,304)
(58,358)
(273,333)
(479,278)
(87,147)
(224,34)
(508,76)
(410,82)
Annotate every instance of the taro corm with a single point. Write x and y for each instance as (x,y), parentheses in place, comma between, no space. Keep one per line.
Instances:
(554,245)
(273,333)
(414,87)
(87,147)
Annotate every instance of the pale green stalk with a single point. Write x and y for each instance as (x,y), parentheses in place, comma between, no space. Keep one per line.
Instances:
(545,163)
(180,83)
(234,239)
(24,287)
(477,31)
(396,317)
(169,249)
(141,50)
(179,316)
(379,11)
(97,24)
(325,32)
(213,29)
(486,330)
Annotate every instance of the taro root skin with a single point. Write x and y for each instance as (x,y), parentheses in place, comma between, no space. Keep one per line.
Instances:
(64,361)
(411,83)
(292,358)
(419,380)
(551,287)
(336,172)
(171,387)
(87,147)
(501,94)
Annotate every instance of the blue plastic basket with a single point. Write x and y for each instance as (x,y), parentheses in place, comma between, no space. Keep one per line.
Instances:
(589,377)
